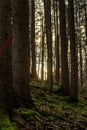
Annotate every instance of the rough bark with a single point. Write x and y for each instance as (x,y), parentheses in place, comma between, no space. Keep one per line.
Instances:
(20,51)
(47,8)
(42,69)
(6,89)
(64,58)
(57,47)
(74,63)
(33,51)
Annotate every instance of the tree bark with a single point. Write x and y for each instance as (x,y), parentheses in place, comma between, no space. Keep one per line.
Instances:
(74,62)
(6,89)
(20,51)
(64,58)
(42,69)
(33,51)
(47,8)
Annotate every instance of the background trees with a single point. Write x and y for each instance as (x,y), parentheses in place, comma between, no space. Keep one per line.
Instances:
(43,64)
(49,42)
(71,64)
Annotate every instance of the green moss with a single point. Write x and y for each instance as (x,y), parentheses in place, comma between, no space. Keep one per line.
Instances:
(19,122)
(39,83)
(28,113)
(5,123)
(40,94)
(60,107)
(49,127)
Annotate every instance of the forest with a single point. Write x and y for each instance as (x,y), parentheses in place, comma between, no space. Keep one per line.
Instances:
(43,64)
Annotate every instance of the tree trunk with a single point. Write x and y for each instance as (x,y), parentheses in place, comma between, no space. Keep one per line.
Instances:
(34,75)
(47,8)
(42,69)
(74,62)
(57,74)
(81,65)
(6,89)
(20,51)
(64,59)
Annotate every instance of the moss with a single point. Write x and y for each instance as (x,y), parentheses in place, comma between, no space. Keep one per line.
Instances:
(28,113)
(19,122)
(40,94)
(38,83)
(49,127)
(57,107)
(5,123)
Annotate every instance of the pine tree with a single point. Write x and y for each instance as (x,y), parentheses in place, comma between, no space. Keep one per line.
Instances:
(20,51)
(74,63)
(6,89)
(64,59)
(47,8)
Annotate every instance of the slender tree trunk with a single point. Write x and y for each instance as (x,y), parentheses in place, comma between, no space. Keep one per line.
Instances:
(6,89)
(64,59)
(34,75)
(42,69)
(47,7)
(57,46)
(85,3)
(80,50)
(81,72)
(39,61)
(74,63)
(86,66)
(20,52)
(86,20)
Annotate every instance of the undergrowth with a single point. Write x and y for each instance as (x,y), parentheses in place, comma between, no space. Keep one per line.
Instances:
(54,111)
(5,123)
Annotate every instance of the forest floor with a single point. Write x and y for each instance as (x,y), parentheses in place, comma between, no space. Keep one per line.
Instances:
(52,112)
